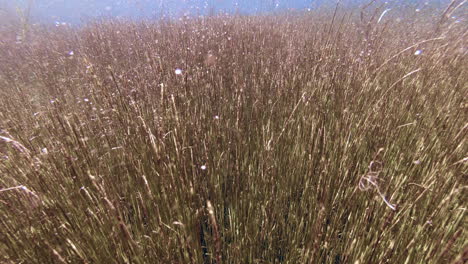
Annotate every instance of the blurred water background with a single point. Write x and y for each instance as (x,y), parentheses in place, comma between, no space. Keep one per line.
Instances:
(76,12)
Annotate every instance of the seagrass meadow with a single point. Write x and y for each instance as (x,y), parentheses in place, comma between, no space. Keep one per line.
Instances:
(329,136)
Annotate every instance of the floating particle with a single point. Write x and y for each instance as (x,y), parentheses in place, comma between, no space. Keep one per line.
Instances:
(19,39)
(178,71)
(418,52)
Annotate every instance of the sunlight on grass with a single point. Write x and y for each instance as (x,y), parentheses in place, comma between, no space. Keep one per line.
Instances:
(328,136)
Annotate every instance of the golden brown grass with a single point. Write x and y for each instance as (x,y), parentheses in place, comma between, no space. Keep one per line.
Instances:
(289,115)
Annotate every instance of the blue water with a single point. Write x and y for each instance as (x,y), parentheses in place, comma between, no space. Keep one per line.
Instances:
(78,11)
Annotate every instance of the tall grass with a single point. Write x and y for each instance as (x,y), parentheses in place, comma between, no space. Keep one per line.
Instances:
(296,138)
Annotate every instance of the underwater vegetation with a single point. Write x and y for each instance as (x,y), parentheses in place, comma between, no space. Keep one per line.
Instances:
(324,136)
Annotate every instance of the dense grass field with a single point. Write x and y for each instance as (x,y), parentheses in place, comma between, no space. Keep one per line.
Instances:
(331,136)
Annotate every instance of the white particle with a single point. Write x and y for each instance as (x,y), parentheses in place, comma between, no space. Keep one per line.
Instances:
(178,71)
(86,100)
(203,167)
(108,8)
(71,53)
(418,52)
(417,10)
(216,117)
(19,39)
